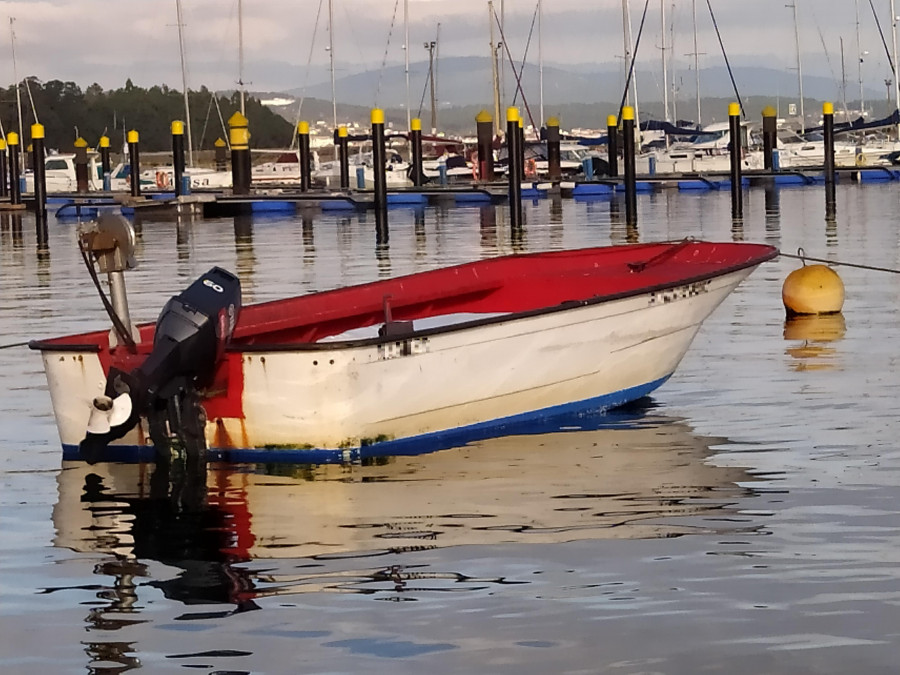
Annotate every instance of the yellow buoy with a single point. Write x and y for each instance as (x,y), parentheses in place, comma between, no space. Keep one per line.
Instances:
(813,289)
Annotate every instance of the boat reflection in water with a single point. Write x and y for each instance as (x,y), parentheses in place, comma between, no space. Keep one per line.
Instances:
(629,475)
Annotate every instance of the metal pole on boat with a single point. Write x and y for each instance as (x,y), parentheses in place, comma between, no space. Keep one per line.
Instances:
(81,166)
(340,143)
(304,154)
(770,136)
(415,151)
(553,155)
(734,130)
(4,174)
(612,145)
(178,156)
(15,190)
(484,125)
(239,135)
(628,160)
(104,162)
(40,184)
(134,160)
(379,169)
(828,133)
(513,167)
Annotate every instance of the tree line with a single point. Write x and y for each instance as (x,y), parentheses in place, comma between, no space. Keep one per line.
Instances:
(67,113)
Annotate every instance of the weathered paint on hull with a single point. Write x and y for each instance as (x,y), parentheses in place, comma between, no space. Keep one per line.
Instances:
(589,357)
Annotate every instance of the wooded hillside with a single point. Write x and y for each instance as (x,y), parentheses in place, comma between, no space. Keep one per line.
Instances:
(67,112)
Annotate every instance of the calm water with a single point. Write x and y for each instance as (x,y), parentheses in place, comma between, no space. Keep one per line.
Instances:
(743,520)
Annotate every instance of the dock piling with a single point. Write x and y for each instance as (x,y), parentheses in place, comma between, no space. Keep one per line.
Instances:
(239,135)
(612,146)
(554,172)
(303,155)
(734,130)
(15,188)
(629,162)
(828,133)
(513,167)
(415,152)
(379,168)
(105,169)
(134,161)
(40,184)
(178,157)
(82,178)
(221,154)
(770,137)
(484,124)
(343,150)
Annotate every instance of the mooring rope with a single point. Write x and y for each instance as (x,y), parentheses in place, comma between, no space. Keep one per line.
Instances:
(801,255)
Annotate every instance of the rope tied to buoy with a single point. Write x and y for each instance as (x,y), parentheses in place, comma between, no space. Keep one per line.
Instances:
(801,256)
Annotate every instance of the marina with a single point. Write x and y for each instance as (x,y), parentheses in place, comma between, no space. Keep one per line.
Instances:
(748,502)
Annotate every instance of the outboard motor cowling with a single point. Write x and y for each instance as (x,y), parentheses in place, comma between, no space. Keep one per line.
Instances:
(192,332)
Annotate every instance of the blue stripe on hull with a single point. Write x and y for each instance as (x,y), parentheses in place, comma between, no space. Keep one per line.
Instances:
(586,414)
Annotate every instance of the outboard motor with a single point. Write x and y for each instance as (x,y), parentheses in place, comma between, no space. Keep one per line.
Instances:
(192,332)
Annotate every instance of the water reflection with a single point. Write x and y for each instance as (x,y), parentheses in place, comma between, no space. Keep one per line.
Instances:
(816,332)
(634,476)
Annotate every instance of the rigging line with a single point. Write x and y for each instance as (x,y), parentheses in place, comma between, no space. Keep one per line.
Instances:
(725,56)
(205,125)
(518,77)
(887,50)
(804,257)
(14,344)
(312,46)
(834,78)
(424,89)
(525,53)
(637,43)
(386,48)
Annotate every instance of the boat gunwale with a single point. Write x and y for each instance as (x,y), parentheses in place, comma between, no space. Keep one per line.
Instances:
(567,305)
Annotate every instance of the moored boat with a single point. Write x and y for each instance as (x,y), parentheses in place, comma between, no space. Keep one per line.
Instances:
(398,363)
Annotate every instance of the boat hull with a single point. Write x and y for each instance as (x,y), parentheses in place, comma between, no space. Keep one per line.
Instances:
(432,388)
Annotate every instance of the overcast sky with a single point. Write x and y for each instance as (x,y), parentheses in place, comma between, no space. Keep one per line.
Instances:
(284,46)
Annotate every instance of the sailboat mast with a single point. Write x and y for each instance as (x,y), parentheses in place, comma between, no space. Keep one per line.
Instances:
(12,39)
(541,57)
(495,82)
(331,56)
(241,55)
(793,5)
(859,62)
(184,84)
(406,57)
(665,60)
(696,57)
(894,61)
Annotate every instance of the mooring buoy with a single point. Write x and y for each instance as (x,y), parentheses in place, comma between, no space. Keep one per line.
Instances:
(813,289)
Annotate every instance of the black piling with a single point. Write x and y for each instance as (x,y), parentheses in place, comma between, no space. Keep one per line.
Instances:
(82,174)
(736,147)
(15,189)
(415,152)
(178,156)
(612,145)
(628,161)
(221,154)
(514,167)
(554,172)
(341,145)
(40,184)
(485,127)
(521,131)
(828,133)
(303,155)
(4,171)
(134,160)
(770,136)
(379,169)
(239,134)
